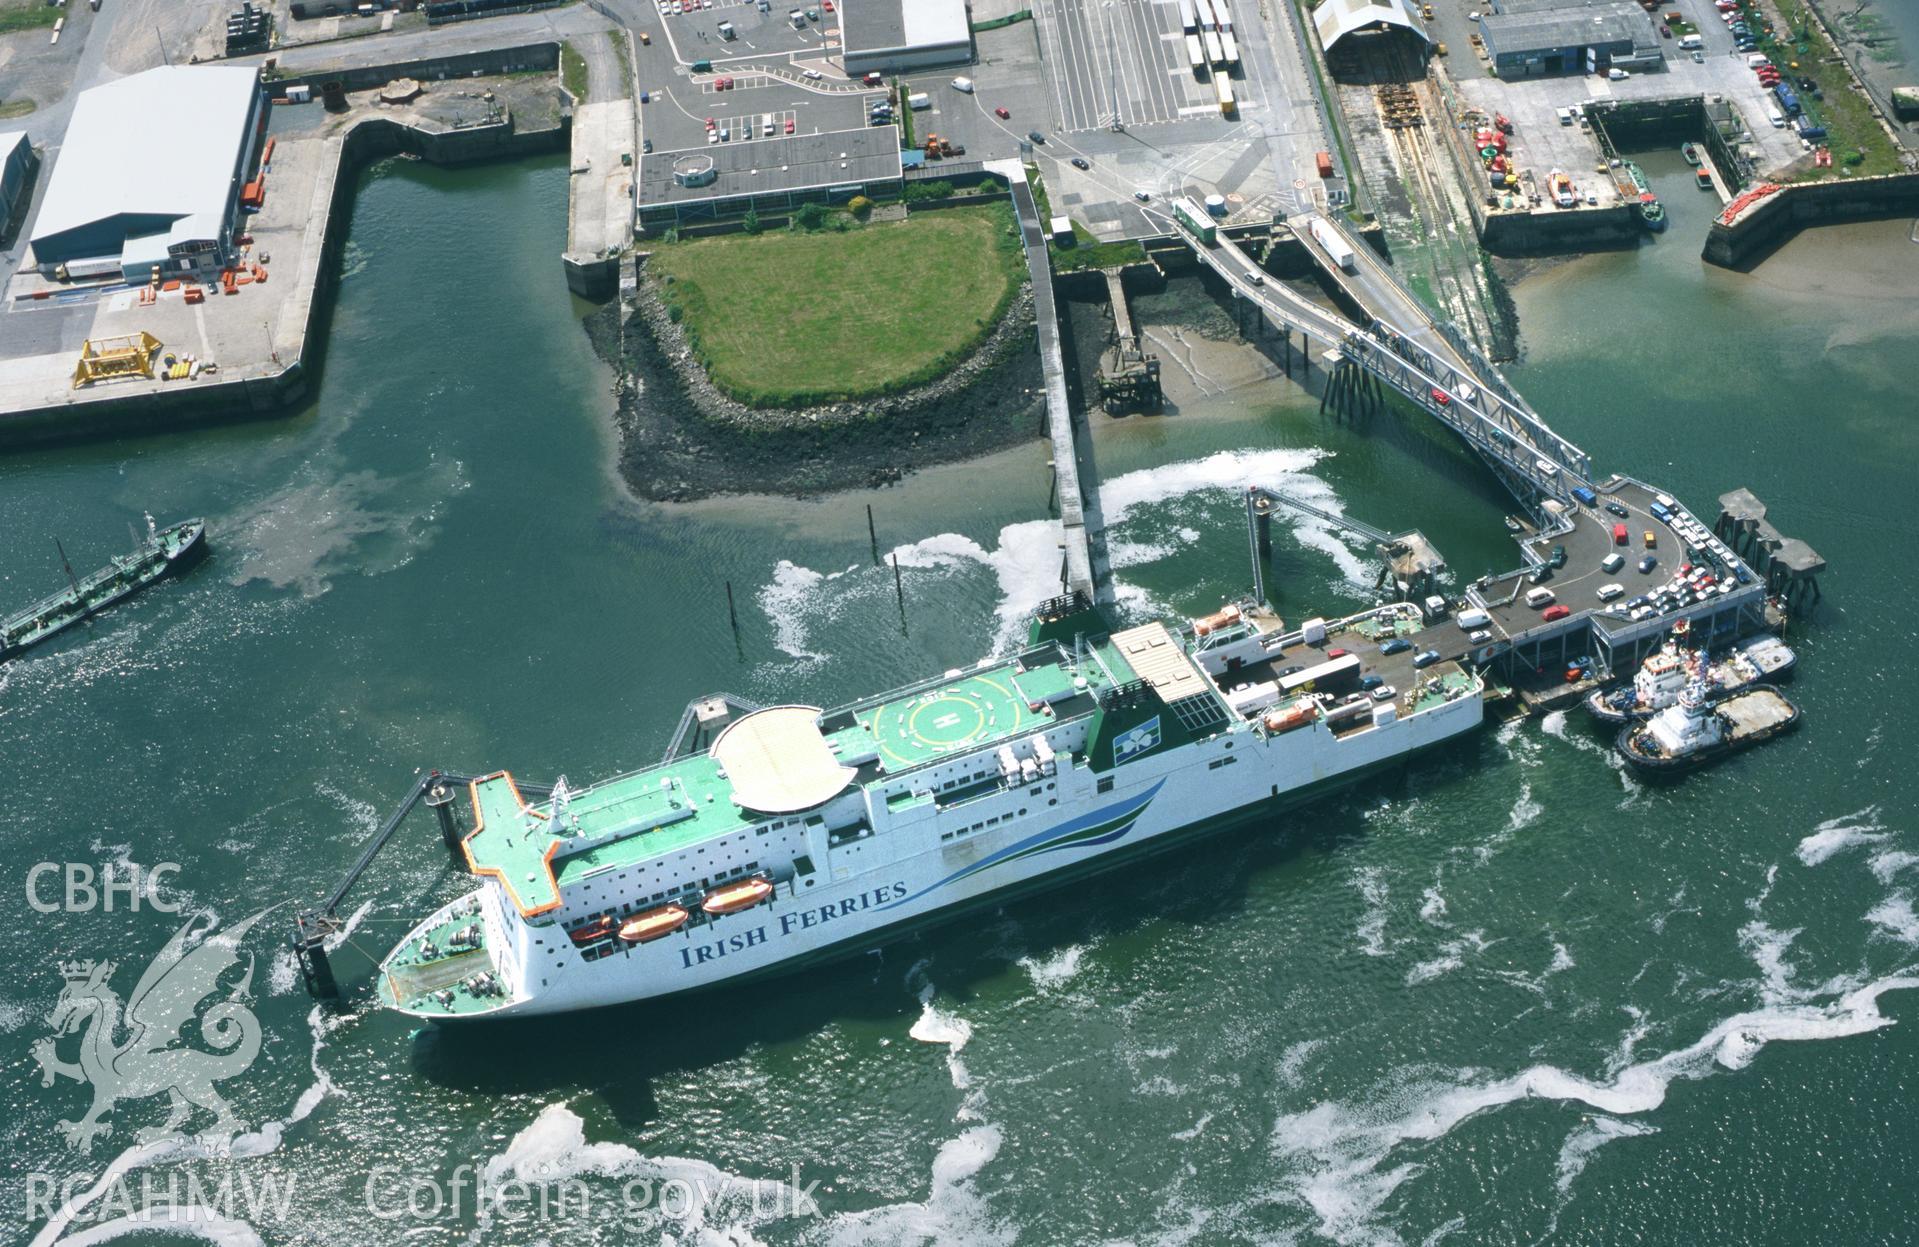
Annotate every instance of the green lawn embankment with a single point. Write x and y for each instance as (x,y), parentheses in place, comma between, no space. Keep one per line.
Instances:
(790,319)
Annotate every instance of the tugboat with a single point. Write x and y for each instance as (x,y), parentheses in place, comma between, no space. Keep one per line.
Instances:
(164,552)
(1696,731)
(1652,213)
(1662,677)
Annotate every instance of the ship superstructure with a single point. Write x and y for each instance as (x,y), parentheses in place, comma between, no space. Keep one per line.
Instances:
(1662,677)
(801,833)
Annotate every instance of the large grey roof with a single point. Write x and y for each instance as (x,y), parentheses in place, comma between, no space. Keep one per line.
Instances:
(765,166)
(878,25)
(162,143)
(1335,19)
(1611,22)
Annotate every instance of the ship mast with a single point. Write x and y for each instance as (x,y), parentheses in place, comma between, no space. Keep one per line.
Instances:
(71,578)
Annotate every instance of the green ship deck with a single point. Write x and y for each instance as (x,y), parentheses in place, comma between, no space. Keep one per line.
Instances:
(690,800)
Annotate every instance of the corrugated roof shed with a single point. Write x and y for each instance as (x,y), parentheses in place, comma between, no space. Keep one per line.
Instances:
(1586,25)
(159,144)
(1335,19)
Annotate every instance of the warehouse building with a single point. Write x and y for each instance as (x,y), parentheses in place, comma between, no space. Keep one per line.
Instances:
(1528,38)
(1338,20)
(892,36)
(767,175)
(16,171)
(150,175)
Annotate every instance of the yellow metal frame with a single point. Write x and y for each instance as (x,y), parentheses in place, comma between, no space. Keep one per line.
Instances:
(104,359)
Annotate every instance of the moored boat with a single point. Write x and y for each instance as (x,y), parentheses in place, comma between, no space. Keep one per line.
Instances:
(1662,676)
(1693,155)
(1652,213)
(808,834)
(1697,731)
(164,552)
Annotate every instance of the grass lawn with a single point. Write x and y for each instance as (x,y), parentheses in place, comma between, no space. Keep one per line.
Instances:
(788,318)
(27,14)
(573,73)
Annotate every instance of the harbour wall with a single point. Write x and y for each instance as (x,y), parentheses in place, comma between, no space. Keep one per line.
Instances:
(180,404)
(1762,228)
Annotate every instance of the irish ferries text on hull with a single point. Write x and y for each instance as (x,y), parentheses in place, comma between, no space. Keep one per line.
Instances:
(801,833)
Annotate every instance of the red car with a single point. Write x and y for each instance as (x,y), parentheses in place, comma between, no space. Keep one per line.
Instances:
(789,125)
(1619,537)
(1001,113)
(709,123)
(1556,612)
(1441,397)
(1337,653)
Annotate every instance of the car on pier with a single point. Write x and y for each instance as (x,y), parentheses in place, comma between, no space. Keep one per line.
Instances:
(1398,645)
(1001,113)
(1441,397)
(1079,162)
(1618,510)
(1647,564)
(1554,613)
(1426,658)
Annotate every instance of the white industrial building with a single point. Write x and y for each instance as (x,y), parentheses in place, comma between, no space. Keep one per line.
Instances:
(150,175)
(890,36)
(1336,19)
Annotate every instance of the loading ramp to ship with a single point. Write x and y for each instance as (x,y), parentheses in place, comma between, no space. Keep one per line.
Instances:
(313,928)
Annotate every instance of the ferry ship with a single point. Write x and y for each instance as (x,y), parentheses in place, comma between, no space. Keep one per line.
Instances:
(799,834)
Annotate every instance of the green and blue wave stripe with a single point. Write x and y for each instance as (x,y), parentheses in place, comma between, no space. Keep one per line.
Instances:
(1101,826)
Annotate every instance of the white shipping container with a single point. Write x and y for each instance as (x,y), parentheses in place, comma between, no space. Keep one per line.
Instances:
(919,100)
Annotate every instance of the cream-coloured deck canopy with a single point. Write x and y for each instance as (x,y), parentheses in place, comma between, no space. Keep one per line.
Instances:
(778,762)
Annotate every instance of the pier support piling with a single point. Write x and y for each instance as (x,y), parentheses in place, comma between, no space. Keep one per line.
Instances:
(440,799)
(309,948)
(872,534)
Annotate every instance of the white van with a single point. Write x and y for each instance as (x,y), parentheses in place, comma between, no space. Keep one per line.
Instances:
(1537,598)
(1469,620)
(1777,118)
(766,124)
(1617,75)
(1689,42)
(1608,592)
(963,84)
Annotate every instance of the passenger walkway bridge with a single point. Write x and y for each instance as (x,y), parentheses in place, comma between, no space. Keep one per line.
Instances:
(1076,481)
(1416,354)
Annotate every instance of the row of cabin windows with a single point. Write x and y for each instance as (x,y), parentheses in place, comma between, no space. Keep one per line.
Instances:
(994,821)
(1216,763)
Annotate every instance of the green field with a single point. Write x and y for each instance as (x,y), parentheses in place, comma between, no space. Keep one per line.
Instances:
(27,14)
(785,318)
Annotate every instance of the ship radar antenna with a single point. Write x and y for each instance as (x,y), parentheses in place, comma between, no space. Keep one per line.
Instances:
(153,534)
(562,804)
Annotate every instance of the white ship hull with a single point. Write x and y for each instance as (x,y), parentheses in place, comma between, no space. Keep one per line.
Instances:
(879,886)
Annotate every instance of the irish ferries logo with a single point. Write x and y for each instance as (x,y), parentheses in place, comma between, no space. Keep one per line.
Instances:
(157,1055)
(1134,741)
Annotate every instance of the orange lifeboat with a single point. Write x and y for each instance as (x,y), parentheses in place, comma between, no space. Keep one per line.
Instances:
(1299,714)
(1212,623)
(598,929)
(654,923)
(730,898)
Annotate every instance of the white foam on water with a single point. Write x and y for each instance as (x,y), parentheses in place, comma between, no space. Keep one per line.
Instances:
(953,1211)
(1562,959)
(1195,1130)
(1372,925)
(690,1200)
(1592,1134)
(1337,1155)
(1554,724)
(1452,955)
(935,1026)
(1893,918)
(1887,864)
(1525,811)
(1292,1062)
(1055,971)
(794,588)
(171,1221)
(1836,835)
(1432,908)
